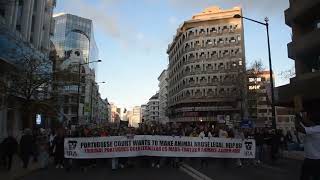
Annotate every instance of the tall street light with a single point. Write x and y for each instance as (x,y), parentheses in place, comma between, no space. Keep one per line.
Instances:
(266,24)
(79,83)
(91,119)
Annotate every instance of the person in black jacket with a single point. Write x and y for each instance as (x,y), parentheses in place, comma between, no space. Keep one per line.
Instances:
(258,136)
(26,147)
(10,146)
(58,144)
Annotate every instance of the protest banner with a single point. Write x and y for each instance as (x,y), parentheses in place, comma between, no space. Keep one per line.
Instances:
(165,146)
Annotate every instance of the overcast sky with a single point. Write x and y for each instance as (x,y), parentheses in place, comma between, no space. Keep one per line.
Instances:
(133,35)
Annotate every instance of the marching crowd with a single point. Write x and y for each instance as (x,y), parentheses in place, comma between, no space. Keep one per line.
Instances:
(40,145)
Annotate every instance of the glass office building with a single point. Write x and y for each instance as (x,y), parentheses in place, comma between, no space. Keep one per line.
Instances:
(73,32)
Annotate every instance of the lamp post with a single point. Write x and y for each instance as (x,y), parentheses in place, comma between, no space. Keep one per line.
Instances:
(91,108)
(79,84)
(266,24)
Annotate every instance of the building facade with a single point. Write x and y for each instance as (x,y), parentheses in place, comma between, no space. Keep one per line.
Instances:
(163,96)
(135,118)
(285,118)
(115,113)
(259,102)
(153,109)
(25,30)
(303,91)
(102,115)
(76,108)
(74,32)
(143,113)
(206,67)
(29,21)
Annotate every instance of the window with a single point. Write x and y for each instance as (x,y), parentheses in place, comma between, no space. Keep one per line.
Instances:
(317,24)
(66,99)
(66,110)
(82,99)
(2,11)
(74,109)
(262,110)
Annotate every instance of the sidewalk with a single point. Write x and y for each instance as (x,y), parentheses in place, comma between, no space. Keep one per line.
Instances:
(17,171)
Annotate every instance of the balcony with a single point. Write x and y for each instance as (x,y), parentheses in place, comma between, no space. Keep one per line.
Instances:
(301,10)
(305,45)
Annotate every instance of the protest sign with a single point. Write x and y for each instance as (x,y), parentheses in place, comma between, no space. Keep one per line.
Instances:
(165,146)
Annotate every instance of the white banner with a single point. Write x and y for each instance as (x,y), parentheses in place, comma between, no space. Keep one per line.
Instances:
(167,146)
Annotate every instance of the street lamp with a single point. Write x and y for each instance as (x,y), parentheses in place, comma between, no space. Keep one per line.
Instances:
(79,83)
(266,24)
(91,108)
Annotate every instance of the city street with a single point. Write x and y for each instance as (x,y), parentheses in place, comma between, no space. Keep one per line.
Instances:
(284,169)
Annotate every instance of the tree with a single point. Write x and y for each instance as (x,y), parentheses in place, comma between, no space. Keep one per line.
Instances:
(30,83)
(287,74)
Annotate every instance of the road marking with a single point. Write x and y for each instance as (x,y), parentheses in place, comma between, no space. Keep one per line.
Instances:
(272,168)
(193,172)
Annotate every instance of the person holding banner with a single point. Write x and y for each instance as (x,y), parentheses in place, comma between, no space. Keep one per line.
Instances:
(205,134)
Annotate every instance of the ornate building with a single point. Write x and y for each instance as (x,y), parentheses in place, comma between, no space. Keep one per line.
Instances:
(207,67)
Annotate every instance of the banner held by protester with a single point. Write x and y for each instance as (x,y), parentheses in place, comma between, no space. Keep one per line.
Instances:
(166,146)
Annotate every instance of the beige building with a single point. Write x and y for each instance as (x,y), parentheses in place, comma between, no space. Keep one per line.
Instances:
(143,113)
(259,102)
(115,113)
(206,59)
(153,109)
(163,96)
(133,116)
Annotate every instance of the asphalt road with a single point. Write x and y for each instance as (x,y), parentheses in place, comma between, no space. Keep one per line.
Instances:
(101,173)
(283,170)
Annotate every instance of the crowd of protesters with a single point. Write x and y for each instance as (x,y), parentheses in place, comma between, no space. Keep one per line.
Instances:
(39,145)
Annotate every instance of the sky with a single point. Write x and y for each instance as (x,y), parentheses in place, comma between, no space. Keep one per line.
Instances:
(133,36)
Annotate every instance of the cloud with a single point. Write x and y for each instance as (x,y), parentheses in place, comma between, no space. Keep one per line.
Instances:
(107,22)
(262,7)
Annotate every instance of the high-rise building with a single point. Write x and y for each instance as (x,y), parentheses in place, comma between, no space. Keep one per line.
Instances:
(25,30)
(153,109)
(206,72)
(74,32)
(303,90)
(163,96)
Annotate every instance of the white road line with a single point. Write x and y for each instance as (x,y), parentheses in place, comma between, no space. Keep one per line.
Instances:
(273,168)
(193,172)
